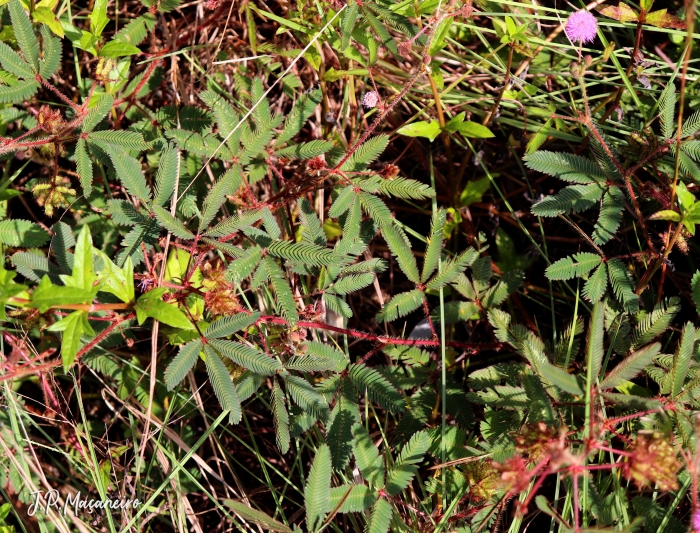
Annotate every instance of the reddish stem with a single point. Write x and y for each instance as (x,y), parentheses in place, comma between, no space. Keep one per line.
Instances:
(384,339)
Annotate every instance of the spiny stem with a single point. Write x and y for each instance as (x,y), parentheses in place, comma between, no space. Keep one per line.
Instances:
(384,339)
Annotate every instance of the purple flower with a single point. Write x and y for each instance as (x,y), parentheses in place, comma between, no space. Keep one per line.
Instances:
(370,99)
(696,521)
(581,27)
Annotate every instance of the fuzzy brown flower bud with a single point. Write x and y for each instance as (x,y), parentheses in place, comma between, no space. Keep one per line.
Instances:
(389,172)
(315,164)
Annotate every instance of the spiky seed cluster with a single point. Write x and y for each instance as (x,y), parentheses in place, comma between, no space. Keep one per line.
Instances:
(50,120)
(370,99)
(653,460)
(220,298)
(54,194)
(581,27)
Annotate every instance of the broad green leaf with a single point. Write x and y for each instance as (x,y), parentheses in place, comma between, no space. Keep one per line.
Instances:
(474,130)
(662,19)
(429,130)
(151,305)
(666,214)
(48,295)
(474,191)
(438,39)
(73,326)
(45,16)
(83,275)
(118,49)
(686,200)
(115,280)
(621,12)
(98,17)
(8,289)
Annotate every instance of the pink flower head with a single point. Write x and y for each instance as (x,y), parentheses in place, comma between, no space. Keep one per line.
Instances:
(696,521)
(370,99)
(581,27)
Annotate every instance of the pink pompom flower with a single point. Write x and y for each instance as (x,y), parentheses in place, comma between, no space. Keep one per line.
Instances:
(370,99)
(696,521)
(581,27)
